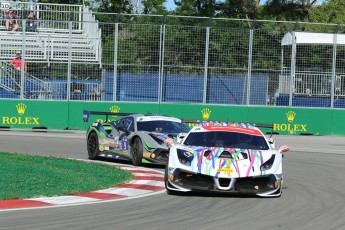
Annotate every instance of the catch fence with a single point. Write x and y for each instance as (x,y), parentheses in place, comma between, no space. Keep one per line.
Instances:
(174,59)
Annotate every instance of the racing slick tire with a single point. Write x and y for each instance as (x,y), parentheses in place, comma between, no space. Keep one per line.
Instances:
(137,152)
(93,146)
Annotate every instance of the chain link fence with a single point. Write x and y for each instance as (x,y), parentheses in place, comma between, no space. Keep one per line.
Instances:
(172,59)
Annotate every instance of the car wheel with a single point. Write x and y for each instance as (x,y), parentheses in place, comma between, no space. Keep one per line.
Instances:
(92,146)
(137,152)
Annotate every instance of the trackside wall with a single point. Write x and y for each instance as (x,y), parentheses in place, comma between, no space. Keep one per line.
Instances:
(61,115)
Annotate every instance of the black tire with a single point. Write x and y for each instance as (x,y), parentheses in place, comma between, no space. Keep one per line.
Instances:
(137,152)
(93,146)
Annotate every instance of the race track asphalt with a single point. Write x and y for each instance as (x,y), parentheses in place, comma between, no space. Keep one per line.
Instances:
(313,195)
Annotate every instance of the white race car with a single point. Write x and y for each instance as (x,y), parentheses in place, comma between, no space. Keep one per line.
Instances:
(225,157)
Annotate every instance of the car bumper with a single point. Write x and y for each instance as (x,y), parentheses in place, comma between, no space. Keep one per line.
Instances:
(267,185)
(158,156)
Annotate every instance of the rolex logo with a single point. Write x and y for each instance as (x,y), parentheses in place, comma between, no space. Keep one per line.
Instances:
(21,108)
(206,113)
(19,120)
(290,116)
(115,109)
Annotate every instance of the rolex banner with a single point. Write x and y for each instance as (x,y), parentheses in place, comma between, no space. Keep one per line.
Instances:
(69,115)
(33,114)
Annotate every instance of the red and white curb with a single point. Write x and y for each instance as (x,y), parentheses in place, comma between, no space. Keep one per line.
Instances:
(146,182)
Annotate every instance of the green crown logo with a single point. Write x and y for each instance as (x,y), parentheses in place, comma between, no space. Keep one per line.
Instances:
(21,108)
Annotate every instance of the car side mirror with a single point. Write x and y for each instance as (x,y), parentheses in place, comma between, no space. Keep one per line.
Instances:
(272,142)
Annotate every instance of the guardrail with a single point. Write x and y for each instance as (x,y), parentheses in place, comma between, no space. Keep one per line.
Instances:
(312,84)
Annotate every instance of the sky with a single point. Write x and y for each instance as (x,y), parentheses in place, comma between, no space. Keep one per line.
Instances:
(170,5)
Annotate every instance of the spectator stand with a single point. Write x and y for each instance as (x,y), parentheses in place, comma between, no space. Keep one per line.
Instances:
(51,43)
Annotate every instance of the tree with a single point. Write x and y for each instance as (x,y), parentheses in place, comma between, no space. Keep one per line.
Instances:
(331,11)
(203,8)
(289,10)
(154,7)
(115,6)
(240,9)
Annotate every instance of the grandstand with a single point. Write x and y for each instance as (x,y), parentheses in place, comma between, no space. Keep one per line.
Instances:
(56,41)
(56,36)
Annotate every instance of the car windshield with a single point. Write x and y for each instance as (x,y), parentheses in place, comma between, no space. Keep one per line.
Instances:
(226,140)
(162,126)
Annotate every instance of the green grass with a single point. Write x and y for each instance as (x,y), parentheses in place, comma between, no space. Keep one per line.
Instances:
(26,176)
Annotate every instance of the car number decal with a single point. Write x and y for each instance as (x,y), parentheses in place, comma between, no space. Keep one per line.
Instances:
(124,143)
(121,143)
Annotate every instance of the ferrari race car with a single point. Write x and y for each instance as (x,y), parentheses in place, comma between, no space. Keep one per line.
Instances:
(135,137)
(224,157)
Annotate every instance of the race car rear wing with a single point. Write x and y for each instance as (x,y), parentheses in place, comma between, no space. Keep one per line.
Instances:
(259,125)
(87,113)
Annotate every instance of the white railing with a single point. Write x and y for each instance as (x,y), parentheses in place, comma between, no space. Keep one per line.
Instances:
(311,84)
(47,47)
(57,90)
(8,79)
(11,81)
(52,42)
(35,88)
(49,13)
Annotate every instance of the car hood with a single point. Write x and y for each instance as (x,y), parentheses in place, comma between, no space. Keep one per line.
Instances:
(227,162)
(156,139)
(161,136)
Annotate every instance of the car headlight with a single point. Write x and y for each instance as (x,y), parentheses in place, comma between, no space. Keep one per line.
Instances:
(268,164)
(185,157)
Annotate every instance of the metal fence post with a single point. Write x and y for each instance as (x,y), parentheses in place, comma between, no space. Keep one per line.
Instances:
(161,62)
(207,44)
(115,59)
(22,73)
(250,55)
(69,67)
(293,65)
(334,59)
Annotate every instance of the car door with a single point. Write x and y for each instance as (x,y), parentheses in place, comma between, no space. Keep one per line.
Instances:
(125,127)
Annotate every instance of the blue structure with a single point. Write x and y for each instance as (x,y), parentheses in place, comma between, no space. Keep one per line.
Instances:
(186,88)
(310,102)
(232,90)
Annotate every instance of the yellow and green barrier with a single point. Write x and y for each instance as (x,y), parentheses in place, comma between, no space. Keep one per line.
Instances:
(63,115)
